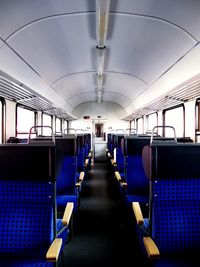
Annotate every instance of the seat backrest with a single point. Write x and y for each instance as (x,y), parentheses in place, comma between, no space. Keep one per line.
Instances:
(119,154)
(82,152)
(134,171)
(66,164)
(27,199)
(174,172)
(87,143)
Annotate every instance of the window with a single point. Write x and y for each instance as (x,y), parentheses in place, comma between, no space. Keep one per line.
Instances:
(58,126)
(46,121)
(1,120)
(140,126)
(152,120)
(25,120)
(174,117)
(197,132)
(133,125)
(65,127)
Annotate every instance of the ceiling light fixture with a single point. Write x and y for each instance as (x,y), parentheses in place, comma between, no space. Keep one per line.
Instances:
(101,57)
(99,96)
(99,87)
(102,16)
(99,82)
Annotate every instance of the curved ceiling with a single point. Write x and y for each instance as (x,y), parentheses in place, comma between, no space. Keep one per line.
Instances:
(50,46)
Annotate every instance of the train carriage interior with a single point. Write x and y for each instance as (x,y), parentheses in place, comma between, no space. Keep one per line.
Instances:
(99,133)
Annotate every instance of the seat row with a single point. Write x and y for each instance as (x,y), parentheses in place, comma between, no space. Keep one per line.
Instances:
(169,231)
(39,181)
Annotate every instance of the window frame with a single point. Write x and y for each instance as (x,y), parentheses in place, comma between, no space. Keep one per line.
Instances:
(147,117)
(27,108)
(42,121)
(171,108)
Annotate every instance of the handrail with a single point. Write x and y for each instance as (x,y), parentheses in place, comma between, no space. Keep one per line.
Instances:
(118,130)
(69,129)
(131,131)
(110,131)
(161,126)
(41,126)
(81,131)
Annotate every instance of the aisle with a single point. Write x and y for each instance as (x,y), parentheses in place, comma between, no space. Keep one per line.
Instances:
(103,233)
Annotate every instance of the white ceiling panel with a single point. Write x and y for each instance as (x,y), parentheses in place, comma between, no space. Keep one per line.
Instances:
(123,84)
(118,98)
(183,13)
(82,98)
(24,12)
(74,84)
(138,42)
(56,46)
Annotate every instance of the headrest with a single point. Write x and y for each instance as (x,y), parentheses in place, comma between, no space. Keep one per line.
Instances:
(113,139)
(27,161)
(184,140)
(109,137)
(81,139)
(118,139)
(66,146)
(69,136)
(172,161)
(13,140)
(87,137)
(41,139)
(134,146)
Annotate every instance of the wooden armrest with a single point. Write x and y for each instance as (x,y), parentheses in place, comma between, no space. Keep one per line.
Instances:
(81,176)
(113,162)
(54,250)
(90,155)
(151,248)
(86,162)
(124,184)
(68,213)
(109,155)
(138,213)
(78,184)
(118,176)
(107,150)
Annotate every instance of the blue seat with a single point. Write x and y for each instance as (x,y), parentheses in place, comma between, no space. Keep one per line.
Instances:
(66,172)
(172,228)
(137,183)
(27,205)
(119,154)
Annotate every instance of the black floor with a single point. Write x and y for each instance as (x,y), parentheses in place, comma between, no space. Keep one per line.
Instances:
(104,232)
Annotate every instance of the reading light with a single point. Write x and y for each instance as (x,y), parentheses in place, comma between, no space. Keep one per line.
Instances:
(101,57)
(102,16)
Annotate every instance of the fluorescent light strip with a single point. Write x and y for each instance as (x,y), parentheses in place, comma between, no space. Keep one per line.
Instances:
(99,95)
(102,17)
(101,57)
(100,82)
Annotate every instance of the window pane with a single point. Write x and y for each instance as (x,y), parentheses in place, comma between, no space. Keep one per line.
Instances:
(25,120)
(174,117)
(133,124)
(47,122)
(65,126)
(152,121)
(58,125)
(140,126)
(1,114)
